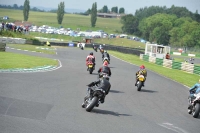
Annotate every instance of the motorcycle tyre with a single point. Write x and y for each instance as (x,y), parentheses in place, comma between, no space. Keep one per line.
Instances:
(196,112)
(92,104)
(90,70)
(139,86)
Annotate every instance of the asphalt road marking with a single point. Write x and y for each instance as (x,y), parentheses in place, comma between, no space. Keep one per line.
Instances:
(172,127)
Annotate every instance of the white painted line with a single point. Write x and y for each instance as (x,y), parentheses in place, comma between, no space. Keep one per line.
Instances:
(172,127)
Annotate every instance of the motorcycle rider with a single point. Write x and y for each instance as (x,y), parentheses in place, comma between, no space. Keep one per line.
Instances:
(193,90)
(141,71)
(102,84)
(90,58)
(100,47)
(105,69)
(106,54)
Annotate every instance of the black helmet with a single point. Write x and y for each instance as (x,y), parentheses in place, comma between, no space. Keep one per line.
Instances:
(91,53)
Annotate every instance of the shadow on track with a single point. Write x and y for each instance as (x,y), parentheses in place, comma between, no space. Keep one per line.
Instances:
(95,74)
(115,91)
(106,112)
(149,91)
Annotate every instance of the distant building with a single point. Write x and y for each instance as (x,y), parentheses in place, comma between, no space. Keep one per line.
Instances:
(110,15)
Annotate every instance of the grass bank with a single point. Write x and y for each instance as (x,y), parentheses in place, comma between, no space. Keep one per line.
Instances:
(13,60)
(40,49)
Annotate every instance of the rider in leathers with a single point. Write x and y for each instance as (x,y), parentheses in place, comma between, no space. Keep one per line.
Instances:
(105,69)
(193,90)
(105,54)
(103,84)
(142,71)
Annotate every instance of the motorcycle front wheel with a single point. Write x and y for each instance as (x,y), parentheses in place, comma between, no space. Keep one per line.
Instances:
(196,110)
(91,105)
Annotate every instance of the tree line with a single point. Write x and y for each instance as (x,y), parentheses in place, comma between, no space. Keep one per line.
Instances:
(105,9)
(20,7)
(175,26)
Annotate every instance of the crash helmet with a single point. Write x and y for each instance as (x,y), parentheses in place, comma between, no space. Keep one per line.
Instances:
(105,63)
(91,53)
(142,67)
(105,51)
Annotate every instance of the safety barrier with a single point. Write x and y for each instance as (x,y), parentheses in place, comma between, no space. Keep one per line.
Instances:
(184,66)
(196,70)
(167,63)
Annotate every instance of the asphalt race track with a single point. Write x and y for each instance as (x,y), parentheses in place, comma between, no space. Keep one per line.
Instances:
(50,102)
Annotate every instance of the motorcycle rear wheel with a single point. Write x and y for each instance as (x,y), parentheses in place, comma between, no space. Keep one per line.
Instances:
(196,110)
(90,70)
(139,86)
(92,104)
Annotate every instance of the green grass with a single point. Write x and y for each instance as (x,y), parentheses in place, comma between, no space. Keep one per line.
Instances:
(12,60)
(69,21)
(42,49)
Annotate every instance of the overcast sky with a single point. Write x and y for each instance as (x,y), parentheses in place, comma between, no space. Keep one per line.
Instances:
(130,6)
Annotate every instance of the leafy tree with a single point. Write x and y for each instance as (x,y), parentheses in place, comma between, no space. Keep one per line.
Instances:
(105,9)
(156,28)
(88,11)
(94,14)
(197,16)
(121,10)
(114,9)
(186,34)
(130,24)
(15,6)
(60,12)
(26,10)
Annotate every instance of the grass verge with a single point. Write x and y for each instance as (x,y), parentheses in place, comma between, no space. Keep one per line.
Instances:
(42,49)
(13,60)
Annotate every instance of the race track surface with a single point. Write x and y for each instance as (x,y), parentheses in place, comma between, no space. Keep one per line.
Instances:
(50,102)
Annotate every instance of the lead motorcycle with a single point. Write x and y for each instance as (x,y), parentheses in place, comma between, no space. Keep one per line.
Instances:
(95,48)
(195,107)
(140,81)
(93,98)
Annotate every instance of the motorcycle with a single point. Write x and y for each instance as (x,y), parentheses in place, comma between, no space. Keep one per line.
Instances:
(95,48)
(101,50)
(106,59)
(90,67)
(93,98)
(195,107)
(81,47)
(101,75)
(140,82)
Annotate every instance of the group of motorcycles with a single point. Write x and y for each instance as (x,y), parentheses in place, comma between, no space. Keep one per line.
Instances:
(94,94)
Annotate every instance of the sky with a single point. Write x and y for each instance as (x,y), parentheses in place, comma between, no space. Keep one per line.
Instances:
(130,6)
